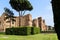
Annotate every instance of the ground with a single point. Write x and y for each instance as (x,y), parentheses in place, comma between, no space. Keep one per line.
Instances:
(49,36)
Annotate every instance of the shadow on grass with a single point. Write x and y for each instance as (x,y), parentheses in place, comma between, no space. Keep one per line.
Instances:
(3,33)
(18,35)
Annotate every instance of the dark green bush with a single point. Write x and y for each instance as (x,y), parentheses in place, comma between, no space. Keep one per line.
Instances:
(22,31)
(35,30)
(48,31)
(18,31)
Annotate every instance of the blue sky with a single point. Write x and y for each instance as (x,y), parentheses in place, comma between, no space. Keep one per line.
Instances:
(40,8)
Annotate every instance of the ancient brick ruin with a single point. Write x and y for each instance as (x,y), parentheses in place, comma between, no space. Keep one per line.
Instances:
(25,20)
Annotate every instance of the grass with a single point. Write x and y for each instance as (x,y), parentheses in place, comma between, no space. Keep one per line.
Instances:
(51,36)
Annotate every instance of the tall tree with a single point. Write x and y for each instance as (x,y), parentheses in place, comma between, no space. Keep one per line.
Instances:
(21,6)
(9,15)
(56,14)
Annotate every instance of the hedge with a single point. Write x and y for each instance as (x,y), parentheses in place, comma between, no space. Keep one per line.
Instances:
(35,30)
(48,31)
(22,31)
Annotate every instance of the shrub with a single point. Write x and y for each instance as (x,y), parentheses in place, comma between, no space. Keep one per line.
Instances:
(9,31)
(35,30)
(18,31)
(22,31)
(48,31)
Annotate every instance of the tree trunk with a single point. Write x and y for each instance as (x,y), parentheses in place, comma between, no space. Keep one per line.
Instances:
(24,12)
(21,13)
(19,18)
(56,14)
(10,22)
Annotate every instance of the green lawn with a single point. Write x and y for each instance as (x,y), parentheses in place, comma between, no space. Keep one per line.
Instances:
(30,37)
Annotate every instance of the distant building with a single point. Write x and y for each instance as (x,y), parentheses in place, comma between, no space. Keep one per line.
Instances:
(25,20)
(50,28)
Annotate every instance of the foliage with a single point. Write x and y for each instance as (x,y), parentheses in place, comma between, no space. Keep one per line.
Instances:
(9,15)
(22,31)
(35,30)
(51,31)
(19,31)
(21,5)
(8,11)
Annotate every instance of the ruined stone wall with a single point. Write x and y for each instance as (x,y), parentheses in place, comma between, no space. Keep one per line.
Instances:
(46,27)
(28,20)
(17,21)
(35,23)
(1,25)
(25,20)
(42,24)
(2,21)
